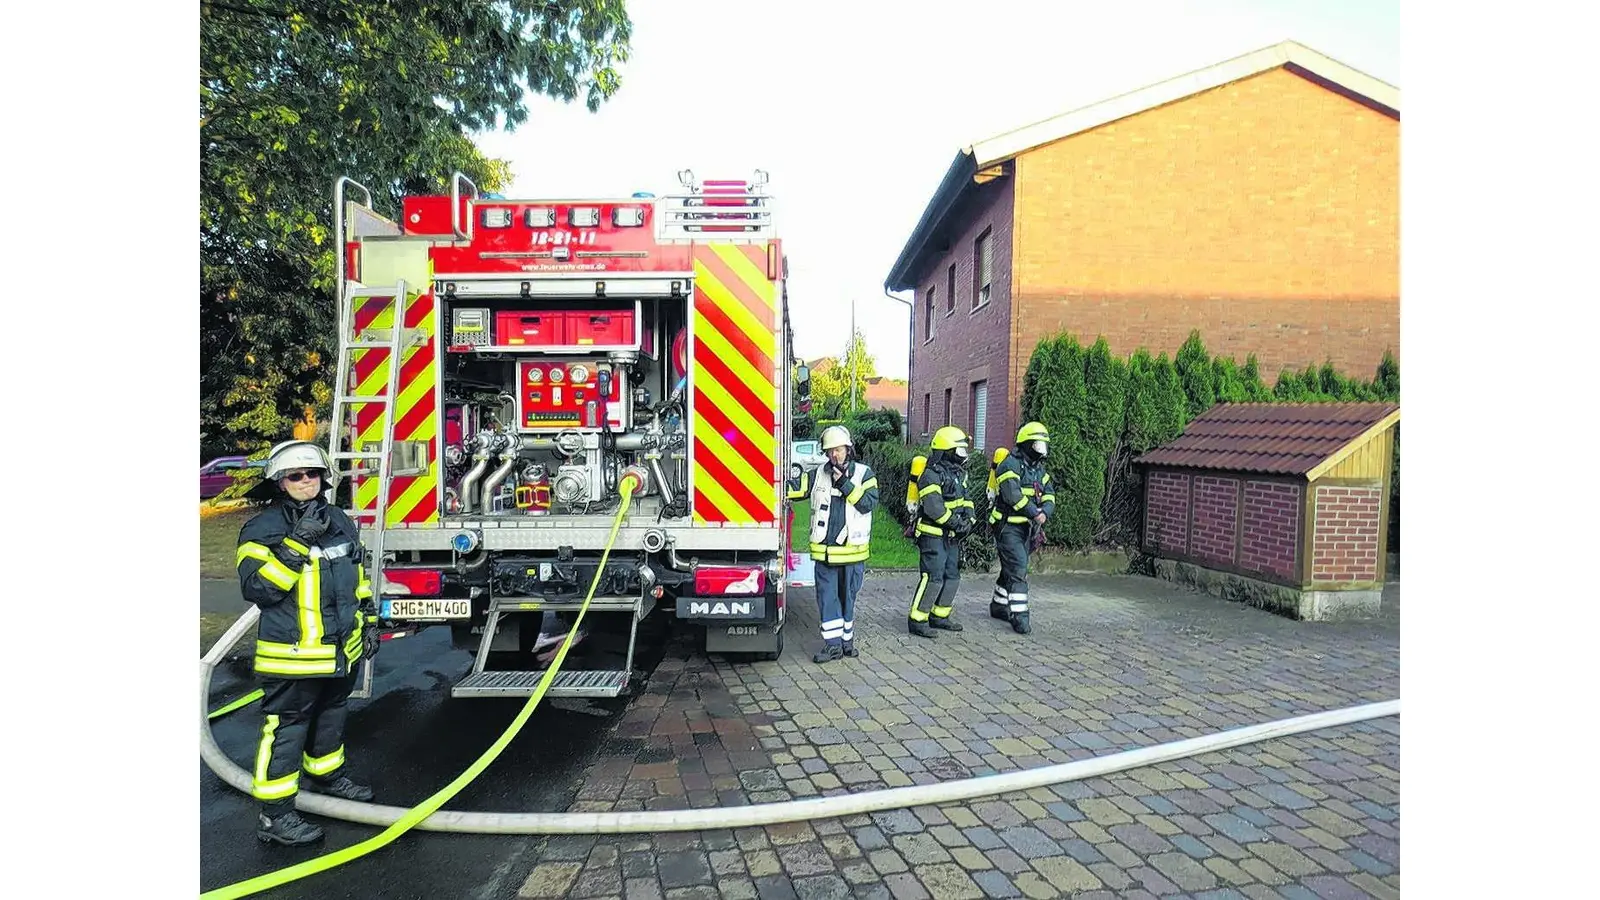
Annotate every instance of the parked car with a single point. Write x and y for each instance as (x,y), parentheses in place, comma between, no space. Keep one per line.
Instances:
(807,454)
(217,475)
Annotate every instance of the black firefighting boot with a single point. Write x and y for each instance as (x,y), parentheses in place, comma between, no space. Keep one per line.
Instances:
(998,604)
(1019,623)
(850,649)
(945,623)
(828,653)
(920,629)
(286,828)
(342,787)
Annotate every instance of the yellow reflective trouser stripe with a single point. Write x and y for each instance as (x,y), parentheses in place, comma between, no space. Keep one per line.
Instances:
(310,607)
(262,787)
(917,615)
(861,490)
(943,612)
(272,570)
(322,765)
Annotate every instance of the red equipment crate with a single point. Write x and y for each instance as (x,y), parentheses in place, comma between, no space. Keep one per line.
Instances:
(602,327)
(516,328)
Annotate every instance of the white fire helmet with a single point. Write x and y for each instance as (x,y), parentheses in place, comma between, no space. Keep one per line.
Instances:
(300,455)
(835,436)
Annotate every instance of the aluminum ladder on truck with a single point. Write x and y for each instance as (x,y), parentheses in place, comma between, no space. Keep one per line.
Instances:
(395,346)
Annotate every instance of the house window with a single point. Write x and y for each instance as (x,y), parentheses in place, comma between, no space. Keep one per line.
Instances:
(950,291)
(927,319)
(946,406)
(982,268)
(927,413)
(980,413)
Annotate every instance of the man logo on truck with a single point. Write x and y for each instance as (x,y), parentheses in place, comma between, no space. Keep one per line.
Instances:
(698,608)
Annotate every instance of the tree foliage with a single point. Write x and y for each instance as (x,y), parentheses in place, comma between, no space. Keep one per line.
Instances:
(295,94)
(1103,412)
(831,388)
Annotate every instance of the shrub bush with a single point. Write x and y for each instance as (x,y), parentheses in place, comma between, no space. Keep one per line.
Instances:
(1104,412)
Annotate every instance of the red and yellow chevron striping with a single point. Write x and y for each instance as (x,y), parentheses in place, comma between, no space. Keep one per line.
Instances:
(413,499)
(735,387)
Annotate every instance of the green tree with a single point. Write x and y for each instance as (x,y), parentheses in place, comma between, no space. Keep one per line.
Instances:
(1105,380)
(294,94)
(831,389)
(1387,380)
(1255,388)
(1194,370)
(1030,380)
(1171,402)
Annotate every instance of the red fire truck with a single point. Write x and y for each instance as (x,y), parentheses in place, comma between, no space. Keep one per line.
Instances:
(504,363)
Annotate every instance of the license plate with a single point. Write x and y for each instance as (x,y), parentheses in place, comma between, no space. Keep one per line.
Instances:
(425,609)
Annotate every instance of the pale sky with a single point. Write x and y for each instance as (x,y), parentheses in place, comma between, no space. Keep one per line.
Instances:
(856,109)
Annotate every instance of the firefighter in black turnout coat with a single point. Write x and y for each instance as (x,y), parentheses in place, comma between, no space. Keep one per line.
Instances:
(1024,500)
(944,517)
(301,562)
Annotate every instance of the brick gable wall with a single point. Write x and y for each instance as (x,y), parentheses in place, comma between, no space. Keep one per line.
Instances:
(1264,213)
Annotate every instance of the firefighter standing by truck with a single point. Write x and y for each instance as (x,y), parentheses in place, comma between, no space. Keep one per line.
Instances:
(1024,500)
(301,561)
(944,517)
(843,494)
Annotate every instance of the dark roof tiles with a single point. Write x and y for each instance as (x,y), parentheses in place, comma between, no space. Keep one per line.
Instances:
(1268,438)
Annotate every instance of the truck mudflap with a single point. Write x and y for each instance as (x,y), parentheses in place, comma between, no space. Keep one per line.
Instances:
(740,606)
(744,637)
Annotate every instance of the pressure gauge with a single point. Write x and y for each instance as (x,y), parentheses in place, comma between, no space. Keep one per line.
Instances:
(556,375)
(535,375)
(580,374)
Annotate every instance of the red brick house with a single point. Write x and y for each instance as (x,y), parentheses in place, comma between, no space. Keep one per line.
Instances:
(1283,505)
(1256,200)
(883,392)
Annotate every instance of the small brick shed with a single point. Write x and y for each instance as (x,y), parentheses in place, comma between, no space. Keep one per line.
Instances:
(1281,505)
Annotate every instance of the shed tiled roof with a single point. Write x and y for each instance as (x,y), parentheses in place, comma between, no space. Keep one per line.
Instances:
(1269,438)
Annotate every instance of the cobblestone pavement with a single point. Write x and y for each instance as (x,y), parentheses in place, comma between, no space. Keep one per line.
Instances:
(1112,663)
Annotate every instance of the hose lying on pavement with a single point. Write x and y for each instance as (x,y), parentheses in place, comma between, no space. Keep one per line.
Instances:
(427,816)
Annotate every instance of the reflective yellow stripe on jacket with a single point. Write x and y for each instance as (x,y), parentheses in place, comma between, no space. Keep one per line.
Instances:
(271,569)
(309,655)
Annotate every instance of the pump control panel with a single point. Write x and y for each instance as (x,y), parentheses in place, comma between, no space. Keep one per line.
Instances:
(558,395)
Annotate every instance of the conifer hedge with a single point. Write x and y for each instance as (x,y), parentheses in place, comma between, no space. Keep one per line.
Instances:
(1104,411)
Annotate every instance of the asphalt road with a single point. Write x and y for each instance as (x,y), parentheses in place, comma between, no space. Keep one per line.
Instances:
(409,740)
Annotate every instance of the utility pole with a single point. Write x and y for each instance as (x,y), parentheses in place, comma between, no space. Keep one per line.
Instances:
(849,355)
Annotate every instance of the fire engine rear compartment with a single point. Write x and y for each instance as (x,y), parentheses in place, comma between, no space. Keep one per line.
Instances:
(549,388)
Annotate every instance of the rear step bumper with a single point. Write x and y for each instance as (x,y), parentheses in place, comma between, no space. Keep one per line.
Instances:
(578,683)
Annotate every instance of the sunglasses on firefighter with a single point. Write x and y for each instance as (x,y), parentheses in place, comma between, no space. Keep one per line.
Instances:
(302,475)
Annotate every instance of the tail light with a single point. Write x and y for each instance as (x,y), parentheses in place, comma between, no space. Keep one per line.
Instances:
(711,581)
(412,582)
